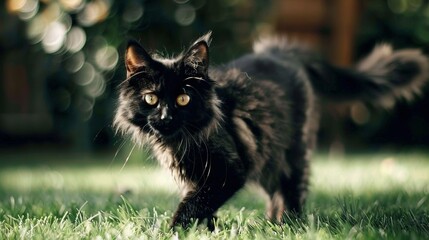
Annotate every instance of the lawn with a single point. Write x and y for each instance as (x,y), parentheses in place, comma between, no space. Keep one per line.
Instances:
(70,196)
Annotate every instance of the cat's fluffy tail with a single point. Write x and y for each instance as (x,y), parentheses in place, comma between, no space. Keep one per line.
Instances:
(382,77)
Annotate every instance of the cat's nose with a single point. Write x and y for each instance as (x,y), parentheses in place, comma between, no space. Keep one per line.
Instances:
(166,116)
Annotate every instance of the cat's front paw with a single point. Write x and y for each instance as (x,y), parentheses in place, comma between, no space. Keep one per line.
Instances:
(187,222)
(181,221)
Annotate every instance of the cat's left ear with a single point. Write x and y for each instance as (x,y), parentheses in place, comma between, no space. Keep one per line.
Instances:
(197,57)
(136,58)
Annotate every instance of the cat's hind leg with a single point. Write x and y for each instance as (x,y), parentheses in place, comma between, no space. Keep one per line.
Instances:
(289,199)
(287,187)
(294,186)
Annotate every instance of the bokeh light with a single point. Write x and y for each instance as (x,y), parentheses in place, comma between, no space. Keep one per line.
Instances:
(94,12)
(63,28)
(106,57)
(85,74)
(85,105)
(26,9)
(36,29)
(15,5)
(359,113)
(96,87)
(397,6)
(54,37)
(402,6)
(52,12)
(185,15)
(72,5)
(76,39)
(133,11)
(75,62)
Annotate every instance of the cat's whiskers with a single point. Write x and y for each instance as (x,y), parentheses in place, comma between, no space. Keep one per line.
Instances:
(130,77)
(117,152)
(190,86)
(128,157)
(144,135)
(181,142)
(185,140)
(193,163)
(198,78)
(206,165)
(206,162)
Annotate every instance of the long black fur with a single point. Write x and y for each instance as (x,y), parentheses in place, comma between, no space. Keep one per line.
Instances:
(252,120)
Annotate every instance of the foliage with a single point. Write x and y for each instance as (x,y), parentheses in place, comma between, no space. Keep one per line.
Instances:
(403,23)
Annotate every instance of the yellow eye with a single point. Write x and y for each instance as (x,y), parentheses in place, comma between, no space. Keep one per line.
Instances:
(151,99)
(183,100)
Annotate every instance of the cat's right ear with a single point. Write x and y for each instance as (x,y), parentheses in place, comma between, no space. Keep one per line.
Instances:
(136,58)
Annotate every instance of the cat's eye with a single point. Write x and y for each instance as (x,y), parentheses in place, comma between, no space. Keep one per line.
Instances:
(151,99)
(183,100)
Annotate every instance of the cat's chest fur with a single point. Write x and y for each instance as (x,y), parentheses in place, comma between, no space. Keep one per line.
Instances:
(188,160)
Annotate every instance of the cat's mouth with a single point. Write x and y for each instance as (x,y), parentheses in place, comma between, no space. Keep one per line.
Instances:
(166,131)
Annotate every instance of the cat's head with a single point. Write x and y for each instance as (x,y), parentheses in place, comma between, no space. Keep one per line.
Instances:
(167,98)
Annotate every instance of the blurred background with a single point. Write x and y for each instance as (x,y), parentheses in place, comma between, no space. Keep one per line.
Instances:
(61,62)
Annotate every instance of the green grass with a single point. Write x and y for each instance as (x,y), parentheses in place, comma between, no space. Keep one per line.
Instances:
(359,196)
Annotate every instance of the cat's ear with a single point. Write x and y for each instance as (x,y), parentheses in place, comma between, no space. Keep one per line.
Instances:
(197,56)
(136,58)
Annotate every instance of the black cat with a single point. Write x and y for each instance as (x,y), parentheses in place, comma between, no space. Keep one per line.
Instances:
(252,120)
